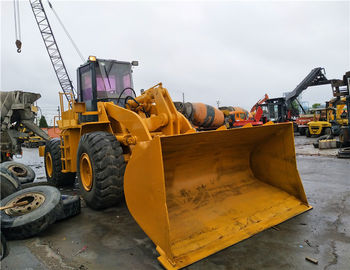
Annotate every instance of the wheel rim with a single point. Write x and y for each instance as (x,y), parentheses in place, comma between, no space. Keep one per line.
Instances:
(18,171)
(34,199)
(86,171)
(49,166)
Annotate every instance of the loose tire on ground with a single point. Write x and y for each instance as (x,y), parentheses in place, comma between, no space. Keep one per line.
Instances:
(8,184)
(71,207)
(26,221)
(53,165)
(24,173)
(100,167)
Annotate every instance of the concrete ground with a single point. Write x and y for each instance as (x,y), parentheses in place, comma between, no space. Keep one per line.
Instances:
(111,239)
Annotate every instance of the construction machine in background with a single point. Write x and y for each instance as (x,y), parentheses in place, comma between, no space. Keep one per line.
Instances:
(193,193)
(302,122)
(341,92)
(321,123)
(282,110)
(17,122)
(200,115)
(239,117)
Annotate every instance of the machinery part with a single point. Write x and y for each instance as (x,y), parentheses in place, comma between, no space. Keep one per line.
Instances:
(344,153)
(307,133)
(344,136)
(17,112)
(52,48)
(70,207)
(206,116)
(199,193)
(30,219)
(3,250)
(17,25)
(281,109)
(302,130)
(328,131)
(201,115)
(100,168)
(53,165)
(327,144)
(24,173)
(9,184)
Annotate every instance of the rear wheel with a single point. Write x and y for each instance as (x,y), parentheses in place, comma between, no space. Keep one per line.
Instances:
(100,167)
(53,165)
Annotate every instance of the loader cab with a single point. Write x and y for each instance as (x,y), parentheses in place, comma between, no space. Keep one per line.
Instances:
(104,80)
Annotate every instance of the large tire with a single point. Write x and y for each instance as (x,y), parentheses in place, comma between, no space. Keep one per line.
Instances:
(8,184)
(71,207)
(53,165)
(101,156)
(24,173)
(29,220)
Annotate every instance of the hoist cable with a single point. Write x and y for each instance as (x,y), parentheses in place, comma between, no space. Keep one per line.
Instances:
(67,33)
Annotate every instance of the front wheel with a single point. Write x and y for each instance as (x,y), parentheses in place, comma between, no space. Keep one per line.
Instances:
(100,167)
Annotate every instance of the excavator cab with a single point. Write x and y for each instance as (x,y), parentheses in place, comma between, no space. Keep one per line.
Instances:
(104,80)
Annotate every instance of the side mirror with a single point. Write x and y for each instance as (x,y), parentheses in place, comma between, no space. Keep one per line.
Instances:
(135,63)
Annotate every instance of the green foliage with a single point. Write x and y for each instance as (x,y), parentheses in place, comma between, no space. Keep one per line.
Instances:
(43,123)
(295,105)
(316,105)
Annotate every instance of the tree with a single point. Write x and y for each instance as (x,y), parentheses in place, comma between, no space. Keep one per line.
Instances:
(316,105)
(43,123)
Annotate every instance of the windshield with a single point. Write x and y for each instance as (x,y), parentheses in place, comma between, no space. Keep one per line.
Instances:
(112,78)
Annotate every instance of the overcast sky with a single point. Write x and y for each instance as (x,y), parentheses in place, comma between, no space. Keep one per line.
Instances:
(234,52)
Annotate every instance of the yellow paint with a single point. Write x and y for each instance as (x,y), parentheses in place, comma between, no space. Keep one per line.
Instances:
(316,127)
(48,164)
(85,171)
(41,150)
(193,193)
(199,193)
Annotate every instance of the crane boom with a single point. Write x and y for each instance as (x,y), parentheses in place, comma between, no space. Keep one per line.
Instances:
(52,48)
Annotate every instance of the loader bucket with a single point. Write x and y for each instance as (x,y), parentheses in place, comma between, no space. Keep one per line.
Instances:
(195,194)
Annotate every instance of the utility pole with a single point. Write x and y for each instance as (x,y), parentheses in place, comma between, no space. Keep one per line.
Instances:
(183,97)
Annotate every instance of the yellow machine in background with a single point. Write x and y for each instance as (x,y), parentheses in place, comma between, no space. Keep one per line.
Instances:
(330,119)
(320,125)
(193,193)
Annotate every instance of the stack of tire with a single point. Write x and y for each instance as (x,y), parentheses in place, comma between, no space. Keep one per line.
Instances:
(44,204)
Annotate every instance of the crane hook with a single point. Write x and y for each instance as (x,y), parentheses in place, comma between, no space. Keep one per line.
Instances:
(19,45)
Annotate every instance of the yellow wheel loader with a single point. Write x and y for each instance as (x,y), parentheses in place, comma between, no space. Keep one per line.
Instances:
(193,193)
